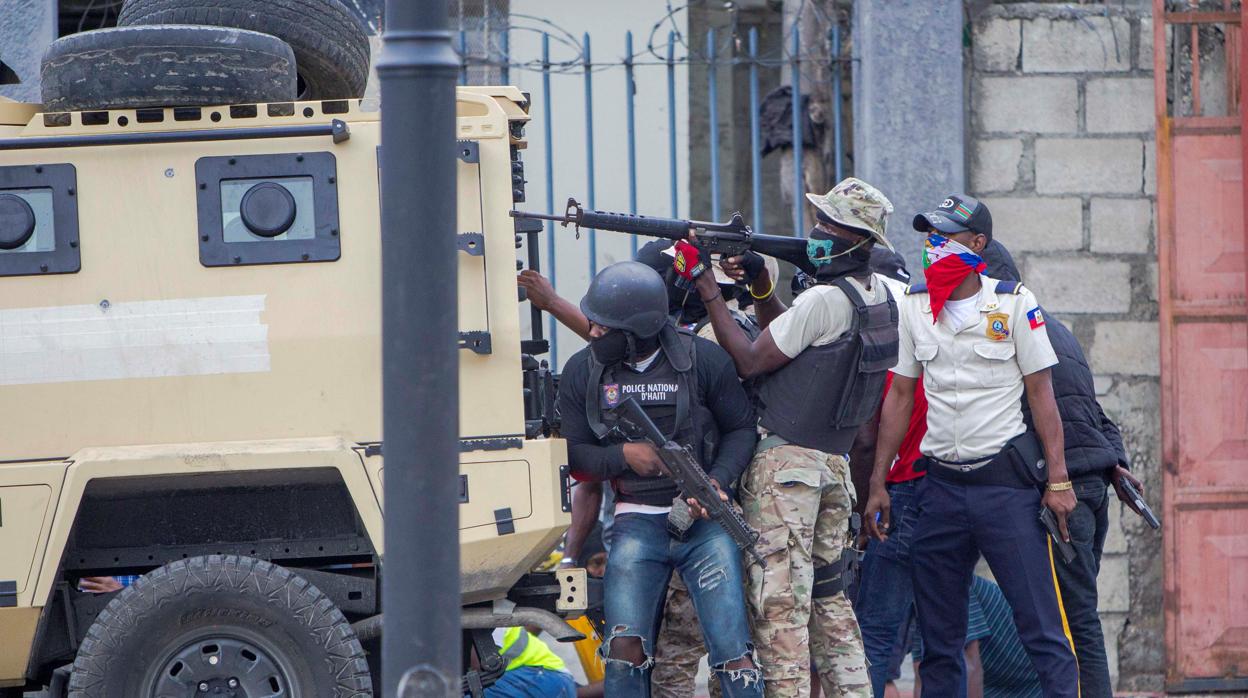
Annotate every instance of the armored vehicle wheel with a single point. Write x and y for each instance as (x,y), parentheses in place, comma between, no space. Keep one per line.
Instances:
(132,67)
(220,625)
(330,46)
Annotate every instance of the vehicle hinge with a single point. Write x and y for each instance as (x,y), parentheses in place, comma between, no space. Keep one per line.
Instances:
(468,151)
(524,225)
(472,244)
(565,487)
(477,340)
(503,521)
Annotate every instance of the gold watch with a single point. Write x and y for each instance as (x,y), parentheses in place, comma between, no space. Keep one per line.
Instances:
(1060,486)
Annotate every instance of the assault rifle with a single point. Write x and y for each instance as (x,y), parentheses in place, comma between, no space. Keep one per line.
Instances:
(728,239)
(689,476)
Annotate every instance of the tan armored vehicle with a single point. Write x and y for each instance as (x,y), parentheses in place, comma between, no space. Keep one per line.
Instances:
(190,373)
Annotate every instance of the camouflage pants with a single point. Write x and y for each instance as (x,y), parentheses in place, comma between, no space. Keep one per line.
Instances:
(800,501)
(679,648)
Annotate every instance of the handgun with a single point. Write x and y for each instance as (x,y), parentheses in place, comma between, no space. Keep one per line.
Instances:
(1140,504)
(1064,548)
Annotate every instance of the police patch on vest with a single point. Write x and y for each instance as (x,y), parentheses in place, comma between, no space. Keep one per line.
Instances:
(611,395)
(998,326)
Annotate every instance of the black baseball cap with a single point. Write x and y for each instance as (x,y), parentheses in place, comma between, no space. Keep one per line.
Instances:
(958,212)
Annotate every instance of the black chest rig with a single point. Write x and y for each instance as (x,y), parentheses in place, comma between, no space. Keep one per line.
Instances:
(819,399)
(668,391)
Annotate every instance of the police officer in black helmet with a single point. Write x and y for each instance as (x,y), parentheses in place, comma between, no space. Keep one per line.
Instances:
(689,388)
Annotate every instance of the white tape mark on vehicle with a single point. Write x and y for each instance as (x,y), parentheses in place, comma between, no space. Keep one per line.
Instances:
(143,339)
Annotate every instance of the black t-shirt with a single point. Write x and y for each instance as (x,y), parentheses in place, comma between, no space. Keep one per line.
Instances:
(721,393)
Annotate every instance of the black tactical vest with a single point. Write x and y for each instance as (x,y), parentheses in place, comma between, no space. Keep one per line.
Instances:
(668,391)
(819,399)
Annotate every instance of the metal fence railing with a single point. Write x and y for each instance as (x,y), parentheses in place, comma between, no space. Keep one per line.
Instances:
(721,50)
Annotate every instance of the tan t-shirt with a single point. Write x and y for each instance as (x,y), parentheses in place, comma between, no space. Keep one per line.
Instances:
(821,315)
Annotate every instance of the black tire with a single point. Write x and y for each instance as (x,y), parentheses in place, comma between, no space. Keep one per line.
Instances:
(260,621)
(166,66)
(331,48)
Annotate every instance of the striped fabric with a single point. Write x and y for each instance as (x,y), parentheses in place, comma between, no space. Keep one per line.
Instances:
(1008,672)
(126,579)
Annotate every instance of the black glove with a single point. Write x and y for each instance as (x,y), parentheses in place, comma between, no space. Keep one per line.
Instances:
(753,265)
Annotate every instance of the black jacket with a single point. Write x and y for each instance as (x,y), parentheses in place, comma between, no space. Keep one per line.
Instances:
(721,391)
(1093,442)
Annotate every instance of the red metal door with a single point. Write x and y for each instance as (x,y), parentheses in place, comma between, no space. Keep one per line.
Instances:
(1204,352)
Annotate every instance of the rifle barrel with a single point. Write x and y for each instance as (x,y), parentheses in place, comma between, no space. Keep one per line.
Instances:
(539,216)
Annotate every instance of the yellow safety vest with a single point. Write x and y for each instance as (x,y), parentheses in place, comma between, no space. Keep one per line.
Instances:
(521,648)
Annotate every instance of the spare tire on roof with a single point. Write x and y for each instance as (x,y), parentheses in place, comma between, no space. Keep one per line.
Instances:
(165,66)
(330,45)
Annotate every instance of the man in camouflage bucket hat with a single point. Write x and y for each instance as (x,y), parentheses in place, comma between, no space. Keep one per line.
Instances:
(855,204)
(822,365)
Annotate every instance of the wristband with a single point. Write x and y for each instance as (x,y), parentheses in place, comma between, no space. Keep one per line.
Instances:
(766,295)
(1060,486)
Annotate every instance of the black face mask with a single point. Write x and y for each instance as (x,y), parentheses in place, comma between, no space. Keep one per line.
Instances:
(618,346)
(844,258)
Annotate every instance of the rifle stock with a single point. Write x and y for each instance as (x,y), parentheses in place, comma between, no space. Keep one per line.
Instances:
(690,477)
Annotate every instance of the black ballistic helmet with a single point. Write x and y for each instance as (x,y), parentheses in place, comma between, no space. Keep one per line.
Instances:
(627,296)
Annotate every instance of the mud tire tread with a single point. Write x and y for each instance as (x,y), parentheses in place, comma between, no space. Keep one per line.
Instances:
(135,67)
(331,48)
(105,643)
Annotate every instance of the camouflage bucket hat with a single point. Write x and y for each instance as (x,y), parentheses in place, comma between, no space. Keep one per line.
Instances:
(855,204)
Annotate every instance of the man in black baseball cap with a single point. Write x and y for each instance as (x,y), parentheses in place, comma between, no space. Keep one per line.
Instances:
(955,214)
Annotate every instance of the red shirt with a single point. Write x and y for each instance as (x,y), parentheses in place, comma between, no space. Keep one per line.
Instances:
(903,467)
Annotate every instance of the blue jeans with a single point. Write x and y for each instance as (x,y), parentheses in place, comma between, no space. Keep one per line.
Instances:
(533,682)
(885,592)
(639,566)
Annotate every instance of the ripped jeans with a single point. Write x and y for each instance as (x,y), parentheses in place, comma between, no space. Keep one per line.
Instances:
(641,561)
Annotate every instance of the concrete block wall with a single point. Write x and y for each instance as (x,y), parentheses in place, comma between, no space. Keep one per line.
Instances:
(1061,150)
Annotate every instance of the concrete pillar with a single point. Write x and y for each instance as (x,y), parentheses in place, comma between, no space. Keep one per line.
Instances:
(26,29)
(909,107)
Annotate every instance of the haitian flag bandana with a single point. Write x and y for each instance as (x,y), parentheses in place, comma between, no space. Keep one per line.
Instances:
(946,263)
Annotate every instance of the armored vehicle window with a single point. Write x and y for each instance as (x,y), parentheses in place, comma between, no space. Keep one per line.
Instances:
(38,220)
(267,209)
